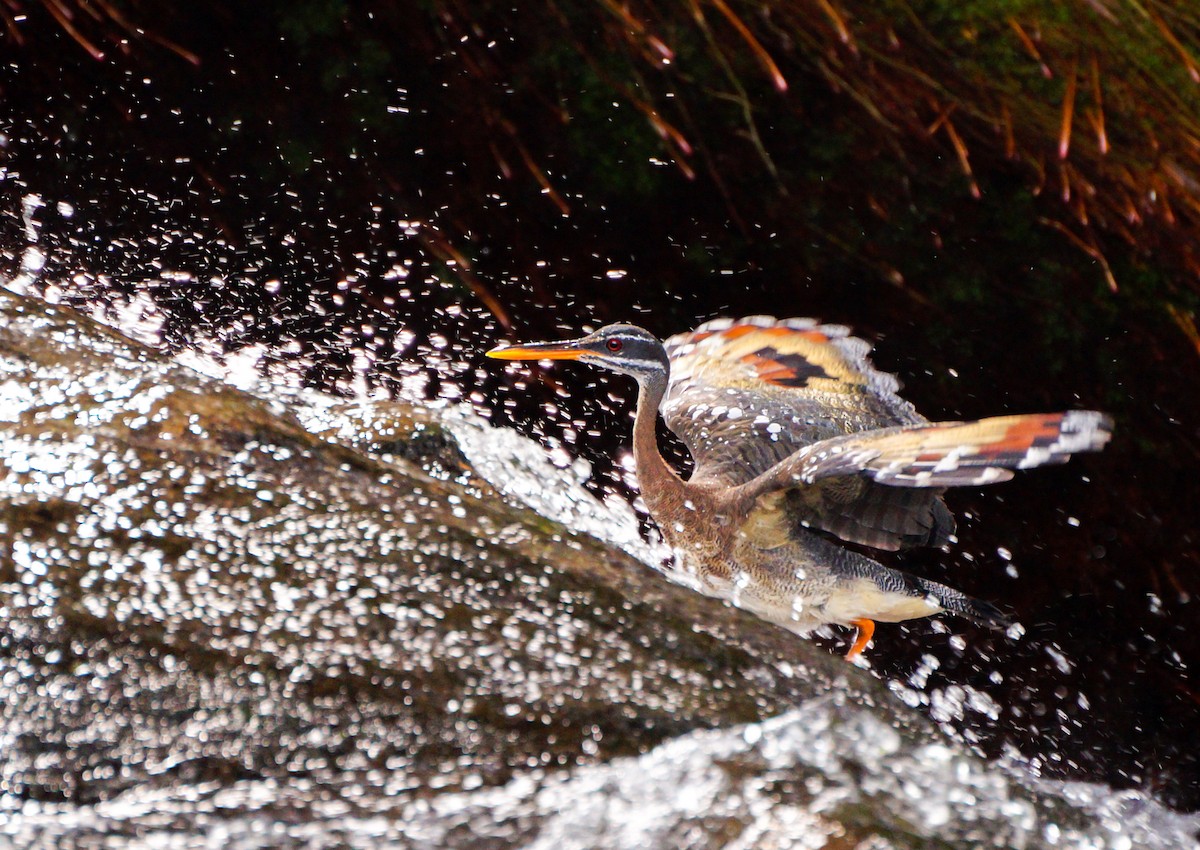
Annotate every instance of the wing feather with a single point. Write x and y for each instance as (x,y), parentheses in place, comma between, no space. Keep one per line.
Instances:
(745,394)
(951,454)
(797,408)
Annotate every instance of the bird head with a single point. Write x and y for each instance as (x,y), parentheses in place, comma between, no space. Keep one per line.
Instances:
(627,349)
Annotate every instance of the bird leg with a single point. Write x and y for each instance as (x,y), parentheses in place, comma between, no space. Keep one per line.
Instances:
(866,628)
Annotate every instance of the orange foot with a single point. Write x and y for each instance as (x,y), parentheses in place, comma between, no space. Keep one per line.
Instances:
(866,628)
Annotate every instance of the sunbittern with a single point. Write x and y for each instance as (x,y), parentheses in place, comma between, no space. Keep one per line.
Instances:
(796,437)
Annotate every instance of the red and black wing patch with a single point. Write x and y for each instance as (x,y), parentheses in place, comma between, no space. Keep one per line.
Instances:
(789,354)
(780,384)
(803,401)
(790,370)
(746,393)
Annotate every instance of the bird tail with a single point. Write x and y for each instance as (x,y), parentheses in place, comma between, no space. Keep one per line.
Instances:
(956,602)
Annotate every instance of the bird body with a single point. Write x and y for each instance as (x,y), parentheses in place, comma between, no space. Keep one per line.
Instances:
(797,439)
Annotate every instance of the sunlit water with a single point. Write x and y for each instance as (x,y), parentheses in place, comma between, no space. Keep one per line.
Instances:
(788,781)
(791,781)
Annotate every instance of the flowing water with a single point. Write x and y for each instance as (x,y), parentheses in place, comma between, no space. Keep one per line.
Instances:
(222,630)
(400,595)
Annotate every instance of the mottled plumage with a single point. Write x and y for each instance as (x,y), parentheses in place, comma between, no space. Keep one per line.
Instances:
(746,394)
(796,437)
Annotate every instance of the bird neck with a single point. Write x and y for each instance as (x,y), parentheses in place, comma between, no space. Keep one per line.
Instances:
(658,482)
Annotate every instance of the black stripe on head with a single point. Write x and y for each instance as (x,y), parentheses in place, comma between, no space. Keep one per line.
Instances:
(640,353)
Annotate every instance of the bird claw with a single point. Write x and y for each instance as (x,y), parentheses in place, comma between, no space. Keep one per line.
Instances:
(866,629)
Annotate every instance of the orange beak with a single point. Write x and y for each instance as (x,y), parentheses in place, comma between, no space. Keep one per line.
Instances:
(539,351)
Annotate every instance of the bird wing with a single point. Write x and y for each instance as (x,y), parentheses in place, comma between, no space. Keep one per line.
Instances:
(747,393)
(906,459)
(946,454)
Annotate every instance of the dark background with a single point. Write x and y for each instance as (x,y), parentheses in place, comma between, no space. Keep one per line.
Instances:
(1007,205)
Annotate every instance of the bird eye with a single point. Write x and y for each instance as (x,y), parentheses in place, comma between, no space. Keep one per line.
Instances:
(614,345)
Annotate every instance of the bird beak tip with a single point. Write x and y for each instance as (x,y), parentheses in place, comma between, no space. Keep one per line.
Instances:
(511,352)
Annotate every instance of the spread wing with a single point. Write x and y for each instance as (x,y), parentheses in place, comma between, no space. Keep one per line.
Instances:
(747,393)
(946,454)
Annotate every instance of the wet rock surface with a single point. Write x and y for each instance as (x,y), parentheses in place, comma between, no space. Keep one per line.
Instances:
(220,629)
